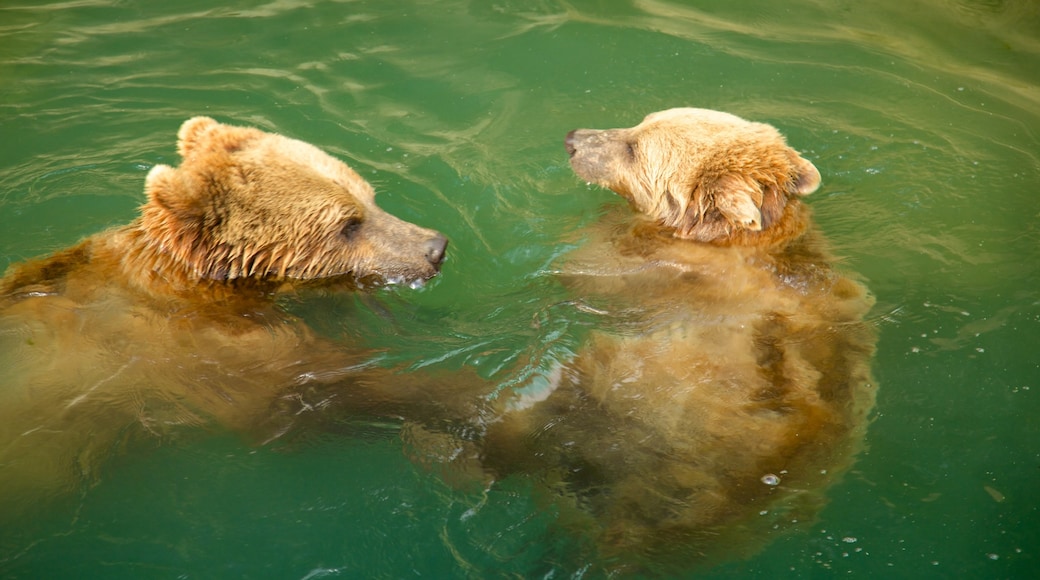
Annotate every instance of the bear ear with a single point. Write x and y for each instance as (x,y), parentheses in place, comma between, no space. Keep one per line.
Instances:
(738,198)
(806,178)
(172,192)
(192,133)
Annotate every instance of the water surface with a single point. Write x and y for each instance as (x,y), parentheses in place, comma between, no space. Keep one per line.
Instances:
(922,115)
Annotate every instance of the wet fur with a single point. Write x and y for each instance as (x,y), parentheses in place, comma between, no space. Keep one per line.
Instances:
(172,321)
(735,351)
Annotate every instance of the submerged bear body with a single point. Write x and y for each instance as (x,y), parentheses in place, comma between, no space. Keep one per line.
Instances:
(729,382)
(172,320)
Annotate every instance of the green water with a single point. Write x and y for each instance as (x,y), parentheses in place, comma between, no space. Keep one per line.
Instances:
(922,115)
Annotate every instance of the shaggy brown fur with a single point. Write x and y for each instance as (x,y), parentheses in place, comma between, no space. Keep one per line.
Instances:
(171,320)
(735,383)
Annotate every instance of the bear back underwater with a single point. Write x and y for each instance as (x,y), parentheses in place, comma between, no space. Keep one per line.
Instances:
(737,389)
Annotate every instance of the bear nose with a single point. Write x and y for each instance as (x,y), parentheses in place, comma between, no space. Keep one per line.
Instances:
(568,142)
(435,249)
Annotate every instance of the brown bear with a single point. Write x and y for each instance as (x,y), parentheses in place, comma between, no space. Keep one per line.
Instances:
(730,382)
(172,319)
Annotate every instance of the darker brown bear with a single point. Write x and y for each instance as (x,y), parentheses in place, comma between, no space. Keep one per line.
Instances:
(171,320)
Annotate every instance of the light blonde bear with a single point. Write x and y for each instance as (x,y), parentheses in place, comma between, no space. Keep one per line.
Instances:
(731,382)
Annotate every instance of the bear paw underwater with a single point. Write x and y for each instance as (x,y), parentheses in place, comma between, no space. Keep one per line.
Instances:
(172,319)
(729,383)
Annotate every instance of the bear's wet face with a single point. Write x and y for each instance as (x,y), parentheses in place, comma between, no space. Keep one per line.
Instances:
(710,176)
(249,204)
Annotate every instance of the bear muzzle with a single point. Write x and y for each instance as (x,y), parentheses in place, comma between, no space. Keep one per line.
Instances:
(435,250)
(595,155)
(568,143)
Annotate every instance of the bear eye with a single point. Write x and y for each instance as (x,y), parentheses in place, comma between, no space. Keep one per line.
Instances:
(350,227)
(630,149)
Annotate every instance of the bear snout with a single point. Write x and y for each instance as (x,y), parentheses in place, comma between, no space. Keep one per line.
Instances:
(568,142)
(435,250)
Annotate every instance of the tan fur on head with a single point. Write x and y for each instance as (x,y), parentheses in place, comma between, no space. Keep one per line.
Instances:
(711,176)
(191,133)
(249,204)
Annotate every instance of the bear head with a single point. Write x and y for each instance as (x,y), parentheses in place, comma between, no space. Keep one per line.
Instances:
(711,176)
(246,204)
